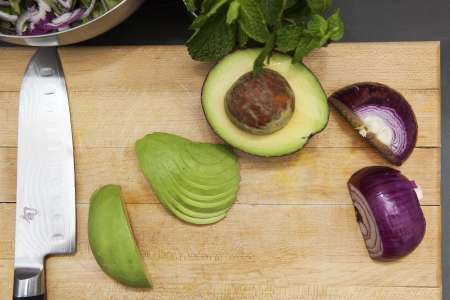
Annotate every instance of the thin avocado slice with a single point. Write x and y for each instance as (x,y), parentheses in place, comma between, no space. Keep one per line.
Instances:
(174,199)
(206,204)
(111,238)
(309,117)
(165,200)
(203,197)
(209,173)
(186,177)
(200,195)
(202,189)
(196,175)
(197,182)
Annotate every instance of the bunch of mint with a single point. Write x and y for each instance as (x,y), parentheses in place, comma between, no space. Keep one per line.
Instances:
(295,27)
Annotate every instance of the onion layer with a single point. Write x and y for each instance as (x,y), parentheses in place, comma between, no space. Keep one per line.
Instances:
(388,211)
(381,115)
(8,17)
(36,14)
(40,18)
(63,21)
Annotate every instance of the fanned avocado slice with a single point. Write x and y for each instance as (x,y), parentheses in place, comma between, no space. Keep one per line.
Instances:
(197,182)
(207,203)
(111,238)
(173,197)
(185,177)
(195,175)
(208,200)
(166,201)
(201,189)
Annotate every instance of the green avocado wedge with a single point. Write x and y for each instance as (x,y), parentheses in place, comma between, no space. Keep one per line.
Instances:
(309,117)
(111,238)
(196,182)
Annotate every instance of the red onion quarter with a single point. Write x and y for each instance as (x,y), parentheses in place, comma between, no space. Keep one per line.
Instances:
(388,211)
(381,115)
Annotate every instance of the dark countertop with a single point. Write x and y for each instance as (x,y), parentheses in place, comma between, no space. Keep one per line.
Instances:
(166,22)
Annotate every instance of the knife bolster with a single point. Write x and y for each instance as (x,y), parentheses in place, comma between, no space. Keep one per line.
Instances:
(29,282)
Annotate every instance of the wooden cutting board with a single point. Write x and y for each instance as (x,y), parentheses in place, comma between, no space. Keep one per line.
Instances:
(291,235)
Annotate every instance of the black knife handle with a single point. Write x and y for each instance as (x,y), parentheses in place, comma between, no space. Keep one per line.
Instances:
(40,297)
(29,283)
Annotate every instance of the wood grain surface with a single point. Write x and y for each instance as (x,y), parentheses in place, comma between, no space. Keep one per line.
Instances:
(292,233)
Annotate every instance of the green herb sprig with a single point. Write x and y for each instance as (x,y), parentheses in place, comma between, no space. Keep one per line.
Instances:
(295,27)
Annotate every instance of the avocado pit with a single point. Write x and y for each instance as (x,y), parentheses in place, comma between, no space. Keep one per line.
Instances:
(260,104)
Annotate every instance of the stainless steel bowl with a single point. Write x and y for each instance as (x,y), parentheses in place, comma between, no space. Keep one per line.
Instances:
(80,33)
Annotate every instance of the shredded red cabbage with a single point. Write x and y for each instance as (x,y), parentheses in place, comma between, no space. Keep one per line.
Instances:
(39,17)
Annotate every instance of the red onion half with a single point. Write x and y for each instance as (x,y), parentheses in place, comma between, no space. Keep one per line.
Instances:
(381,115)
(388,211)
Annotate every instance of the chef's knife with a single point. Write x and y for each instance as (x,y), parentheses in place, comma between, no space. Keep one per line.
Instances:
(45,211)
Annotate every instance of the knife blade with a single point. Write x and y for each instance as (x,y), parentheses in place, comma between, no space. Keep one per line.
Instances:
(45,208)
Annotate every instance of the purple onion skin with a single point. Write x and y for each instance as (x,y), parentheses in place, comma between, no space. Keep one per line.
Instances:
(395,207)
(364,94)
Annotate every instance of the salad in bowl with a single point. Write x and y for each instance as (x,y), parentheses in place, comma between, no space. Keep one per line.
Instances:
(39,17)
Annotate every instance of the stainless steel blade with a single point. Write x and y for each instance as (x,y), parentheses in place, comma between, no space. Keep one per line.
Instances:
(45,211)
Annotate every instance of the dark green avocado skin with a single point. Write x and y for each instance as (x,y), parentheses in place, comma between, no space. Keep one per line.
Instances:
(263,156)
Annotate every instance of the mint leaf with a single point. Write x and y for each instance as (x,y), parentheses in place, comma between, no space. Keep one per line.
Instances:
(295,27)
(214,40)
(242,37)
(207,5)
(318,33)
(319,6)
(201,19)
(317,26)
(336,26)
(272,10)
(307,44)
(15,4)
(108,3)
(233,12)
(252,21)
(289,3)
(191,5)
(298,12)
(265,53)
(99,10)
(288,37)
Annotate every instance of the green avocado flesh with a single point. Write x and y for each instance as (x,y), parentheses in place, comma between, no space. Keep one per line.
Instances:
(111,238)
(311,107)
(197,182)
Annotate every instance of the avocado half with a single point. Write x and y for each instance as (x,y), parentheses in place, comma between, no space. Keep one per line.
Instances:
(311,107)
(111,238)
